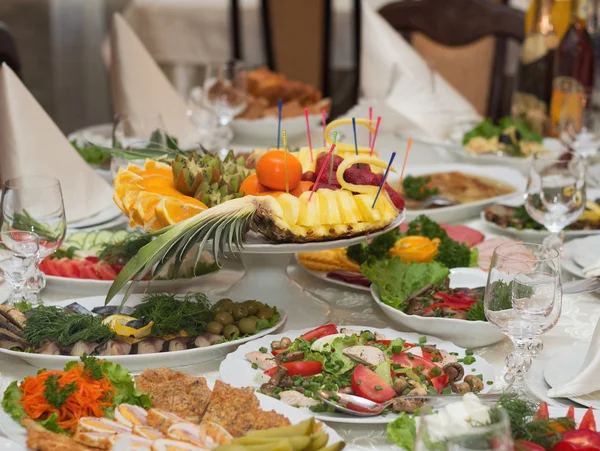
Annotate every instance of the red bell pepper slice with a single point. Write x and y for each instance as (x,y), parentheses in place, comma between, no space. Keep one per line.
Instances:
(452,305)
(278,351)
(384,342)
(542,413)
(439,382)
(368,384)
(583,439)
(571,413)
(320,332)
(523,445)
(588,421)
(455,299)
(307,368)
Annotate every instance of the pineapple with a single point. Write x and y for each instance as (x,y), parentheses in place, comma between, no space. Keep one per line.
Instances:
(329,215)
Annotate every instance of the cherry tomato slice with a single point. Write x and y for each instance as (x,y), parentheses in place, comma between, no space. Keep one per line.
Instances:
(571,413)
(368,384)
(588,421)
(413,361)
(542,413)
(308,368)
(523,445)
(320,332)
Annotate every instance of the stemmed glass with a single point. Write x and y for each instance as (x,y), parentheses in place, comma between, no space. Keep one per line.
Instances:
(523,298)
(203,118)
(491,432)
(226,94)
(132,132)
(35,204)
(556,190)
(18,253)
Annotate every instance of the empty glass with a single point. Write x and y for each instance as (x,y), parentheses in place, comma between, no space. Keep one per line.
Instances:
(204,119)
(556,191)
(18,253)
(489,431)
(523,298)
(35,204)
(226,94)
(133,132)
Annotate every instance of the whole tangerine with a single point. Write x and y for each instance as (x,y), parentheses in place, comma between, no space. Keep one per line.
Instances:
(302,187)
(271,170)
(251,186)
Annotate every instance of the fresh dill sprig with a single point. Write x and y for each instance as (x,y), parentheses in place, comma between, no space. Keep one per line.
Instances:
(24,221)
(123,251)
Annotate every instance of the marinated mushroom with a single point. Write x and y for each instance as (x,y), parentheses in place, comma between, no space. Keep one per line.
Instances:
(417,391)
(276,345)
(285,343)
(292,356)
(268,388)
(280,373)
(430,348)
(400,385)
(455,371)
(474,382)
(461,388)
(407,405)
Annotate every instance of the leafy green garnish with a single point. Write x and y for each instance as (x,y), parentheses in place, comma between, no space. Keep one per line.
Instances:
(403,431)
(522,220)
(23,305)
(10,402)
(24,221)
(91,153)
(378,248)
(416,187)
(123,382)
(486,129)
(396,280)
(53,323)
(123,251)
(477,312)
(54,394)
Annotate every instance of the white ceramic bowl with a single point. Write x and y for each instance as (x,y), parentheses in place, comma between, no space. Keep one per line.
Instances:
(467,334)
(264,130)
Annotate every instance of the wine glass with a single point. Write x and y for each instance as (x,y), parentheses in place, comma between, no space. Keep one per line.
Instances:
(133,132)
(18,253)
(523,298)
(486,429)
(203,118)
(556,191)
(226,94)
(35,204)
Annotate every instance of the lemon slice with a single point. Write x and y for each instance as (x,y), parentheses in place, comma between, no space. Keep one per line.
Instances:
(118,323)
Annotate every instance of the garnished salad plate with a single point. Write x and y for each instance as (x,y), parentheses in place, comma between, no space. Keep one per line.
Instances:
(149,331)
(294,365)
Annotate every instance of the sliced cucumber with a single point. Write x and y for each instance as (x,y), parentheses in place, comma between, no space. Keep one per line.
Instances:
(103,237)
(77,238)
(89,241)
(121,235)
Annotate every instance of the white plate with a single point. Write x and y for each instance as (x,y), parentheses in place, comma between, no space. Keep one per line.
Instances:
(108,215)
(16,432)
(561,368)
(139,362)
(461,212)
(265,129)
(468,334)
(583,250)
(9,445)
(237,370)
(573,248)
(92,287)
(323,276)
(534,236)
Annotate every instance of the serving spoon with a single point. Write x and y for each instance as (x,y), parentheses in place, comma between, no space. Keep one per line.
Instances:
(362,407)
(437,201)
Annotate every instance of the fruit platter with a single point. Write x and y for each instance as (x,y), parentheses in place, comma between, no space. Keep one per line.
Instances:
(153,329)
(96,404)
(294,366)
(88,262)
(264,207)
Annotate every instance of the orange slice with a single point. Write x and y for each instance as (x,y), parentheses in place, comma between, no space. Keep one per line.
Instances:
(157,180)
(152,167)
(171,210)
(144,209)
(125,177)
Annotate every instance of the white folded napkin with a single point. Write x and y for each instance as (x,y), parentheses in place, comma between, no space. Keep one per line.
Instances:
(392,70)
(586,380)
(140,89)
(31,144)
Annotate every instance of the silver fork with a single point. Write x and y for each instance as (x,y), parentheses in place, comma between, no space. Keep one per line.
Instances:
(581,286)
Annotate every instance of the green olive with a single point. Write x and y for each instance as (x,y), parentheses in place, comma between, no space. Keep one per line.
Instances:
(239,312)
(231,331)
(265,312)
(214,327)
(254,317)
(251,307)
(224,318)
(247,325)
(220,308)
(224,301)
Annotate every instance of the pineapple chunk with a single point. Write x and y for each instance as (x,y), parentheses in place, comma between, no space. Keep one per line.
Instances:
(330,213)
(349,211)
(365,201)
(384,206)
(309,211)
(291,208)
(303,156)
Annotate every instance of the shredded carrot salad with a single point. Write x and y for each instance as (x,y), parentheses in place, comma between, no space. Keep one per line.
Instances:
(87,400)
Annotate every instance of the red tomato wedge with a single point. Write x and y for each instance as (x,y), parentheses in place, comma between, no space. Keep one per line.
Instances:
(89,272)
(320,332)
(308,368)
(522,445)
(542,413)
(92,259)
(440,382)
(68,268)
(588,421)
(583,439)
(571,413)
(105,271)
(278,351)
(368,384)
(413,361)
(384,342)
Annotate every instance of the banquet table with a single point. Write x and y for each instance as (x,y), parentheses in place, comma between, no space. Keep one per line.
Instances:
(353,307)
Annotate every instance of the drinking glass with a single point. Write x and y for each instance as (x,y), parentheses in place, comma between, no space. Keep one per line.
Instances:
(35,204)
(204,119)
(523,298)
(226,94)
(133,132)
(493,434)
(18,253)
(555,195)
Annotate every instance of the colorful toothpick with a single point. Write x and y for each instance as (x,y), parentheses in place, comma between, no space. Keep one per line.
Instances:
(314,187)
(408,144)
(384,178)
(331,161)
(285,163)
(324,120)
(375,135)
(370,120)
(279,107)
(354,131)
(308,133)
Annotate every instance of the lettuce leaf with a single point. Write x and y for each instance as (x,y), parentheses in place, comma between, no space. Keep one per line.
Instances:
(403,431)
(123,383)
(12,395)
(338,363)
(396,280)
(474,258)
